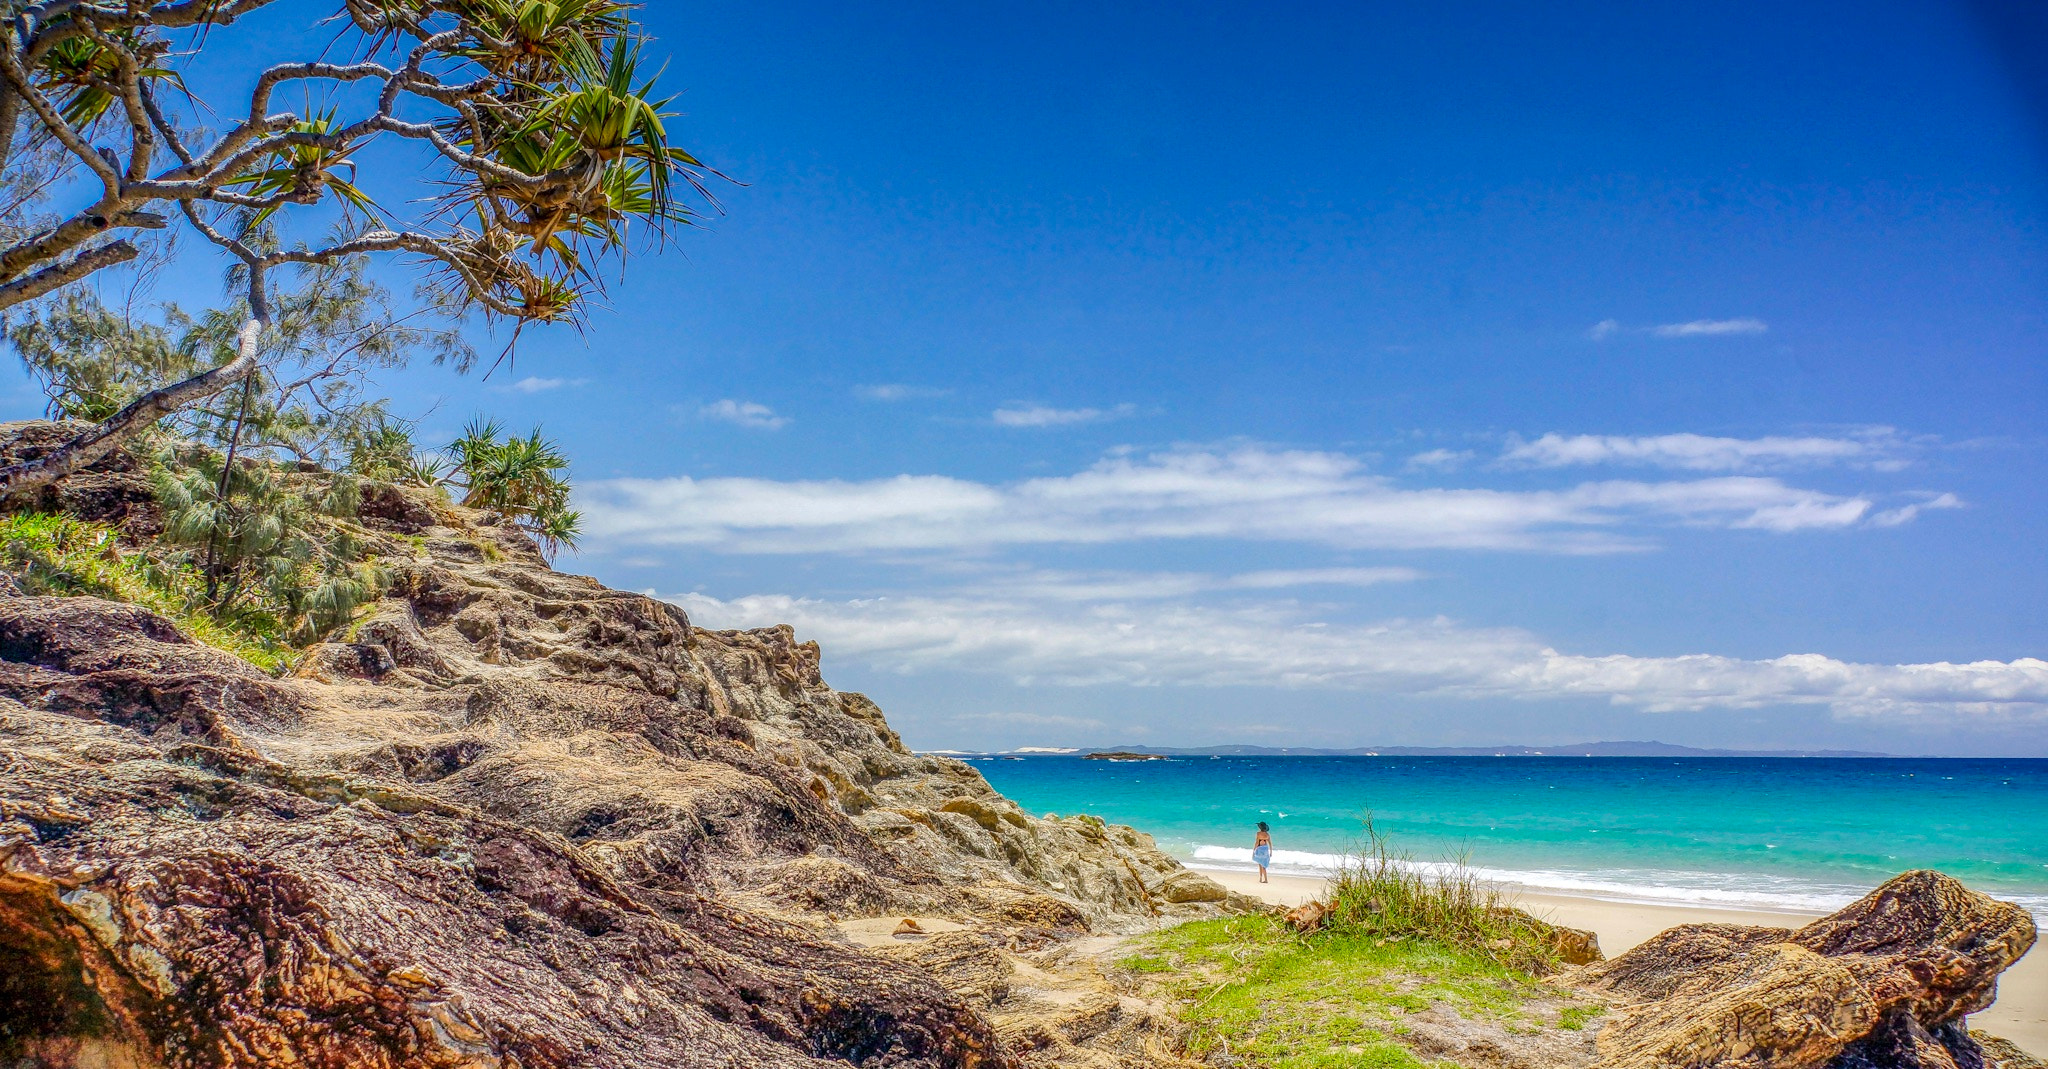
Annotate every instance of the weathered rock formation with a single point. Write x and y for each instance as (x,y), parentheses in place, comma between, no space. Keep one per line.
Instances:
(1883,984)
(519,819)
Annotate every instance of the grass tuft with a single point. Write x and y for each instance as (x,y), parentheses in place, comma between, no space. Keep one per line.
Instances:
(1382,893)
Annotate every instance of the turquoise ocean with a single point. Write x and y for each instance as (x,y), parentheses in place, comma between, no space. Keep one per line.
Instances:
(1802,834)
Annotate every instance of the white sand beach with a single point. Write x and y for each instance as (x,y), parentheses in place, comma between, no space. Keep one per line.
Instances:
(2021,1013)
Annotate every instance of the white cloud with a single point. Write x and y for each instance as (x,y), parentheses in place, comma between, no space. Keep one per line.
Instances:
(1907,513)
(1439,459)
(1273,580)
(1022,415)
(1035,641)
(897,391)
(532,384)
(744,413)
(1708,328)
(1148,586)
(1248,493)
(1603,330)
(1877,447)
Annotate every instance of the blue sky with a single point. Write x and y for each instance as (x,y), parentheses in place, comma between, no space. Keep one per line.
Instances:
(1342,374)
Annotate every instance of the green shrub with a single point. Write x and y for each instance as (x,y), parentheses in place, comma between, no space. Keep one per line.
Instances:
(277,544)
(64,556)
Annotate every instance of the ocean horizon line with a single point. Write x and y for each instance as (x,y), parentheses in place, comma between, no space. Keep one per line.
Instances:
(1648,748)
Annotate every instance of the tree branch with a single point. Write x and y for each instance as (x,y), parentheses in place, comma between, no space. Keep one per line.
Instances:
(37,283)
(89,448)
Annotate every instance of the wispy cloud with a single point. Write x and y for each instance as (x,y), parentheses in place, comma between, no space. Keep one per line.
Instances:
(535,384)
(745,414)
(1908,513)
(1439,459)
(897,391)
(1710,328)
(1022,415)
(1877,447)
(1047,641)
(1154,586)
(1248,493)
(1697,328)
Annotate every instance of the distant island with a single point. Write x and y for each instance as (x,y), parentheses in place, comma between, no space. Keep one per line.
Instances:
(1577,749)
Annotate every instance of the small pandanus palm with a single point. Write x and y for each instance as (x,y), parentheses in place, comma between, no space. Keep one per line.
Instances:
(306,169)
(520,39)
(599,135)
(519,478)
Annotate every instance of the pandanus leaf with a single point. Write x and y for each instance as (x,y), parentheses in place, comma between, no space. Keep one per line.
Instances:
(81,73)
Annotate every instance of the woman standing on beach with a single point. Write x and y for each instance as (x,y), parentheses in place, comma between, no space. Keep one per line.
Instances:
(1262,849)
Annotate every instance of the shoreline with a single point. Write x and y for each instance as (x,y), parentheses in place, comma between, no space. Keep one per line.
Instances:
(2020,1013)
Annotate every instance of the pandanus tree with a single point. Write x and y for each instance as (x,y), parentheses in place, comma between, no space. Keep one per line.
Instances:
(545,142)
(518,478)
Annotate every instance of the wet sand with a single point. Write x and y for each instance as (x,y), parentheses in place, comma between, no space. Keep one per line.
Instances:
(2020,1015)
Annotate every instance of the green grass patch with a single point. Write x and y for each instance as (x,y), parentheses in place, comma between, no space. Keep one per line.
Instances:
(1254,990)
(1575,1018)
(60,555)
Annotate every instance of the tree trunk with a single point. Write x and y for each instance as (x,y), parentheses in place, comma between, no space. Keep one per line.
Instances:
(140,415)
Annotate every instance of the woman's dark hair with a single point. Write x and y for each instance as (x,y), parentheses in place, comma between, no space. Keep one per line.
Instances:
(1262,826)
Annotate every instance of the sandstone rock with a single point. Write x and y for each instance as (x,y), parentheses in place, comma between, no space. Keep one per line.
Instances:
(1783,1006)
(1925,945)
(1659,965)
(1885,982)
(967,963)
(1575,946)
(1187,886)
(518,819)
(2001,1053)
(257,920)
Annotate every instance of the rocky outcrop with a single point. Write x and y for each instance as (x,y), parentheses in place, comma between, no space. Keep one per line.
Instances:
(517,819)
(1883,984)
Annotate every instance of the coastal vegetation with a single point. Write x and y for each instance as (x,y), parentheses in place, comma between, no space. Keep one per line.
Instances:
(1342,985)
(56,554)
(1253,990)
(263,557)
(253,540)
